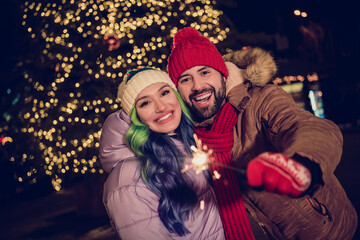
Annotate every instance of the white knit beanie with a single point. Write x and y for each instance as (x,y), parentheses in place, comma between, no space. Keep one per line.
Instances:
(135,81)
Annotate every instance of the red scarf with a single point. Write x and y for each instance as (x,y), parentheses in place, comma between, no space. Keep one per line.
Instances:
(227,189)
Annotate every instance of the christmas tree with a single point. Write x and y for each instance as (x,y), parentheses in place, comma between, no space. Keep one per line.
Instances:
(81,51)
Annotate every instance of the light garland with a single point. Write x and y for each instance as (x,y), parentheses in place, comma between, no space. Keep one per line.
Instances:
(299,78)
(94,42)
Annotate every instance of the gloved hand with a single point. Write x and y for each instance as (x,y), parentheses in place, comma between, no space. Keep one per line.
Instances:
(278,173)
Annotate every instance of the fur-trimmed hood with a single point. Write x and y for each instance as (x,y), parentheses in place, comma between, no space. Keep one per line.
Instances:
(255,65)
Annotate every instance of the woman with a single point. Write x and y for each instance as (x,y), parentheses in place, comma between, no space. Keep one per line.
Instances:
(147,195)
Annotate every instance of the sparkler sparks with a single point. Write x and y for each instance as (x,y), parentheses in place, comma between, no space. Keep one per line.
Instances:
(201,157)
(216,174)
(201,160)
(202,204)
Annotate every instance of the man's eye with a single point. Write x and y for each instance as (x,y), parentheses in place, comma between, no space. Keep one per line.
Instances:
(184,80)
(205,72)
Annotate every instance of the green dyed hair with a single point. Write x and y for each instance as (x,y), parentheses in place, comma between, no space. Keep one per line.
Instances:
(161,164)
(138,133)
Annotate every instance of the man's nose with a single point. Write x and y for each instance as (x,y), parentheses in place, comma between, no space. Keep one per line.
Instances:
(197,84)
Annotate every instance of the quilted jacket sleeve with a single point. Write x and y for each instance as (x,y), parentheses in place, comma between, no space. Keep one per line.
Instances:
(142,222)
(131,206)
(113,148)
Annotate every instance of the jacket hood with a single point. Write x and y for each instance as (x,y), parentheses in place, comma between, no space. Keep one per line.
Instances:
(113,148)
(256,65)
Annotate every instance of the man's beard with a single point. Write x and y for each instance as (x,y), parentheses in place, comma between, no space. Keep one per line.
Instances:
(201,114)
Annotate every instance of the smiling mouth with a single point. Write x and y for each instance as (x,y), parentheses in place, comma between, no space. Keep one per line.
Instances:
(164,117)
(203,98)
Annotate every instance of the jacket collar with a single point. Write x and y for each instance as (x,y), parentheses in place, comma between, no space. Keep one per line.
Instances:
(239,96)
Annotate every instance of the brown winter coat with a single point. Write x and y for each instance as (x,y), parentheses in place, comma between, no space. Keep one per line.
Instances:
(269,120)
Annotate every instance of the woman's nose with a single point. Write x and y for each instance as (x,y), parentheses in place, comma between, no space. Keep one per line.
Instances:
(159,106)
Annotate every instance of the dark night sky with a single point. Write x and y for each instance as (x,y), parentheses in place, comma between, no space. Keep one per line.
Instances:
(259,15)
(341,18)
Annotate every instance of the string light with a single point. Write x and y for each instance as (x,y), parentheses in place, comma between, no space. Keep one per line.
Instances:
(93,43)
(299,78)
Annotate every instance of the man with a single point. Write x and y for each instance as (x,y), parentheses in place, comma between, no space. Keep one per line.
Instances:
(289,154)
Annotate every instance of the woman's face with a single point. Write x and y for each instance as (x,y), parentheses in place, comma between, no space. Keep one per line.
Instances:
(158,107)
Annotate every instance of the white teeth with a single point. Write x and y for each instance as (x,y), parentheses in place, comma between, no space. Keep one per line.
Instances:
(164,117)
(203,97)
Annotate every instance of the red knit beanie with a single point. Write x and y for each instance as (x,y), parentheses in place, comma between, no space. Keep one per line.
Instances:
(190,49)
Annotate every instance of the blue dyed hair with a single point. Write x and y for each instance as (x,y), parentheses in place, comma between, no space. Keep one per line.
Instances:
(161,165)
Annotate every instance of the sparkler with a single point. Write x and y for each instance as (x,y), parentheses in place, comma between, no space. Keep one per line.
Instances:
(202,158)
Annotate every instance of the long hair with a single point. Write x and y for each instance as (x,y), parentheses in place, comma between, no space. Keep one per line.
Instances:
(161,164)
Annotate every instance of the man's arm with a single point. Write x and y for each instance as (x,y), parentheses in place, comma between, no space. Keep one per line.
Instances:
(313,142)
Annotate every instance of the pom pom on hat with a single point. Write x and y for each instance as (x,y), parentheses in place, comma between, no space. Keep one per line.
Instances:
(135,81)
(190,49)
(187,34)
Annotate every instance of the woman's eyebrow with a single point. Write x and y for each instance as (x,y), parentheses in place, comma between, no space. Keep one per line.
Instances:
(148,95)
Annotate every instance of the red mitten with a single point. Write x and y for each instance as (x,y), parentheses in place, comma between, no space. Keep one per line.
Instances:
(278,173)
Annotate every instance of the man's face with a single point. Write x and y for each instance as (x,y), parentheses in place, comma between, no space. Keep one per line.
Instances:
(203,90)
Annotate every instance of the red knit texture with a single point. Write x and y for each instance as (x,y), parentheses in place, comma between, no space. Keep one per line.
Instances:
(227,189)
(191,49)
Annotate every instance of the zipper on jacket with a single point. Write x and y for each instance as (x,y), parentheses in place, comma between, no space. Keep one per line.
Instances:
(320,208)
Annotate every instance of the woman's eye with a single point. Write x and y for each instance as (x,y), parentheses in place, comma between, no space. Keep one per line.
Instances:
(143,104)
(165,92)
